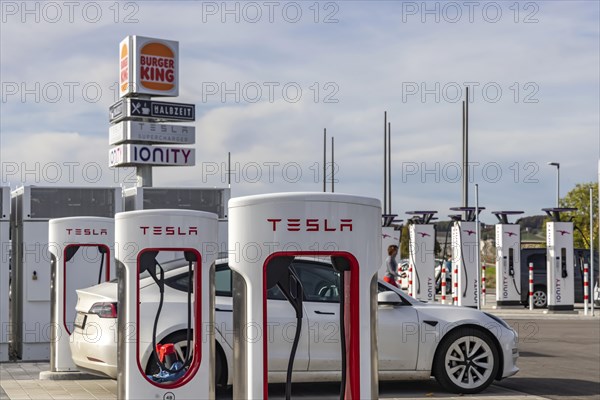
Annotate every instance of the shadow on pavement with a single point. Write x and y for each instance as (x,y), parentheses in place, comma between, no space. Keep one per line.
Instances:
(554,388)
(533,354)
(398,389)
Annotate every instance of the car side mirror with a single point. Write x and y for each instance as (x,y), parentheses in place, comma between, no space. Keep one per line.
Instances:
(388,298)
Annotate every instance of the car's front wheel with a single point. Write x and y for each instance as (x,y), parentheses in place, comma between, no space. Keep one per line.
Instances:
(467,361)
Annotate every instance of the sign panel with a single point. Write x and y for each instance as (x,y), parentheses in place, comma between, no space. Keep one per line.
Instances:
(148,66)
(130,155)
(149,132)
(158,111)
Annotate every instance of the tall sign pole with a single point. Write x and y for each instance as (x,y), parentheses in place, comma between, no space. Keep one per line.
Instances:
(149,67)
(465,151)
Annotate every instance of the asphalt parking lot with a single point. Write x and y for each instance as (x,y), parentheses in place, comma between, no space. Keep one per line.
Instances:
(560,359)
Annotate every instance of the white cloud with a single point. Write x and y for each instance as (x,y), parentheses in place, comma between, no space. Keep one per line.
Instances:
(369,55)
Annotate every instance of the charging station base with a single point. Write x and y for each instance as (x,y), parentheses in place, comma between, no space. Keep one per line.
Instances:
(508,304)
(67,376)
(564,309)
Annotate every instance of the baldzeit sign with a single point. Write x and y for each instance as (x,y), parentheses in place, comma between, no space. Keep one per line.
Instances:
(149,66)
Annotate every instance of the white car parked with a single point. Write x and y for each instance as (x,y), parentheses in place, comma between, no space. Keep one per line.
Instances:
(463,348)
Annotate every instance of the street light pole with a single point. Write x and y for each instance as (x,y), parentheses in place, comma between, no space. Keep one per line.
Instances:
(557,165)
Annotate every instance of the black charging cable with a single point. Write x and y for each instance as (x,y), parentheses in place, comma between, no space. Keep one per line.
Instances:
(511,273)
(281,273)
(341,265)
(582,235)
(415,269)
(444,257)
(343,336)
(295,296)
(462,261)
(161,287)
(102,251)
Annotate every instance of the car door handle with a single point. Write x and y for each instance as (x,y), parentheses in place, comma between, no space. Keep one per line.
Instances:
(223,310)
(324,312)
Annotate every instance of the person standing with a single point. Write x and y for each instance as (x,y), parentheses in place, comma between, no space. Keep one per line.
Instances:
(391,266)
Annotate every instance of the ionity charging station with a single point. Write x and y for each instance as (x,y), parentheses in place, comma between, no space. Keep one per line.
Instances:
(391,232)
(421,255)
(465,282)
(559,261)
(508,260)
(4,270)
(271,232)
(81,252)
(144,242)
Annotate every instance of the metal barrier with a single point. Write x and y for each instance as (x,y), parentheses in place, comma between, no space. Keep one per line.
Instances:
(586,289)
(483,284)
(531,286)
(443,284)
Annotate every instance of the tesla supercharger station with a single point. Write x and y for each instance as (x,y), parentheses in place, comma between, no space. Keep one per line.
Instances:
(212,200)
(81,251)
(4,270)
(144,240)
(421,256)
(559,261)
(465,282)
(267,232)
(508,260)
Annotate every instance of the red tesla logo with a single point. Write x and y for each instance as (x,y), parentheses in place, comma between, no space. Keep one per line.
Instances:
(169,230)
(385,235)
(469,232)
(311,224)
(423,234)
(87,231)
(511,234)
(562,233)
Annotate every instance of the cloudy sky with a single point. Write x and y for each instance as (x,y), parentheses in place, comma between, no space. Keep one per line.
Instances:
(267,77)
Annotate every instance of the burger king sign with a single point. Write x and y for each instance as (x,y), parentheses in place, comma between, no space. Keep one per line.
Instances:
(148,66)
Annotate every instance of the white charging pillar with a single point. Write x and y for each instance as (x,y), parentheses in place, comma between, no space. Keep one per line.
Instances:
(559,261)
(508,260)
(390,235)
(421,257)
(81,251)
(339,227)
(465,282)
(4,270)
(148,232)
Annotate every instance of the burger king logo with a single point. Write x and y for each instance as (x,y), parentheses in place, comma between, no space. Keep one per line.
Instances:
(157,67)
(124,76)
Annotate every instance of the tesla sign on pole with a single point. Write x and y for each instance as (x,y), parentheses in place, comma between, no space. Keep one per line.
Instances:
(149,67)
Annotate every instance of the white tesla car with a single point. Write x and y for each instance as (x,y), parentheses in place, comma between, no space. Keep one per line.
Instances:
(464,349)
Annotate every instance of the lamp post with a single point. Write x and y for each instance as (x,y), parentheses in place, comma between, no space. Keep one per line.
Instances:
(557,165)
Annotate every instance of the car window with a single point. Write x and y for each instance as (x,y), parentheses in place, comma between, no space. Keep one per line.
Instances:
(382,288)
(179,282)
(320,281)
(538,260)
(275,294)
(167,266)
(223,280)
